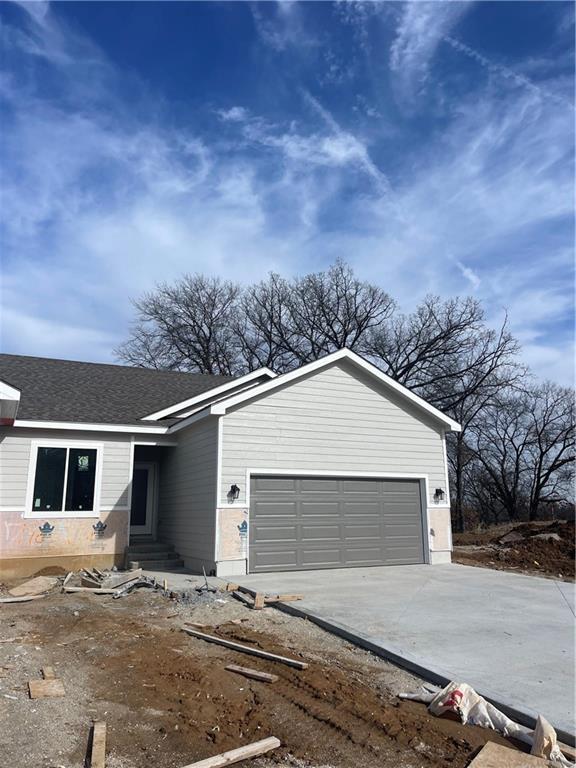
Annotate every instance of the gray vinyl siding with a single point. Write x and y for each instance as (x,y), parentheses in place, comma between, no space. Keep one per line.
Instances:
(15,449)
(337,419)
(187,498)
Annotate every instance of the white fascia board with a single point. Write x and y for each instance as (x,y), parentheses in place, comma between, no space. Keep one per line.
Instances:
(342,354)
(198,416)
(8,392)
(134,429)
(209,394)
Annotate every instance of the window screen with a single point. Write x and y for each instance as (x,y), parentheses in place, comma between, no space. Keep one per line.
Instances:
(49,482)
(81,477)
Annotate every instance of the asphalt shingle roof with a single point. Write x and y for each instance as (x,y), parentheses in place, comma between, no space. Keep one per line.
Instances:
(65,390)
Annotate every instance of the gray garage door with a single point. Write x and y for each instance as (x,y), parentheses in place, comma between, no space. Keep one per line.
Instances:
(301,523)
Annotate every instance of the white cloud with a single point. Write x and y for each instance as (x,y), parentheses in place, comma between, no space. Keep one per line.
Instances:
(100,205)
(420,30)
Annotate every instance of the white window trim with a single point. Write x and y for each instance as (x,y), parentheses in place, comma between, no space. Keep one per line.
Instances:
(30,512)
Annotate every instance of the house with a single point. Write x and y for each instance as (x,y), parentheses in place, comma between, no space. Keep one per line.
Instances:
(331,465)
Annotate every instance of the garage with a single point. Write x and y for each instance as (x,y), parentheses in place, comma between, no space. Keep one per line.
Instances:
(303,523)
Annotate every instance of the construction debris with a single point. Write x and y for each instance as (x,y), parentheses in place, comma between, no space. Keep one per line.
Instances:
(462,700)
(258,600)
(246,649)
(494,755)
(254,674)
(255,749)
(98,750)
(48,687)
(36,586)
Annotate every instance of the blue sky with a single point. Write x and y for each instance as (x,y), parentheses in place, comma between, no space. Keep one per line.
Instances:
(428,144)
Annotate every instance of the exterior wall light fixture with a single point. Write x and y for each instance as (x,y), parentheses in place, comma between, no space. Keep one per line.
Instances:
(233,493)
(439,495)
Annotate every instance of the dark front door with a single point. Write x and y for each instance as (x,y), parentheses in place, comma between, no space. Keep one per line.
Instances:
(142,511)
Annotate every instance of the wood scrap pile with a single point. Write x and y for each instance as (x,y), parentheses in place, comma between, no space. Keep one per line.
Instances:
(115,583)
(258,600)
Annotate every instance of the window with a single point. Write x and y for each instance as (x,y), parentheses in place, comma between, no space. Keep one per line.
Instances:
(64,479)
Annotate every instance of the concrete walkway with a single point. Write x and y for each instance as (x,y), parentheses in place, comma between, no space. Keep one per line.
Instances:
(509,636)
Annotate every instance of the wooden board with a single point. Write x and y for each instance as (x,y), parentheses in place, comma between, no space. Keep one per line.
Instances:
(34,586)
(243,599)
(113,582)
(98,752)
(237,755)
(95,591)
(283,598)
(246,649)
(23,599)
(68,577)
(254,674)
(46,689)
(258,601)
(494,755)
(88,581)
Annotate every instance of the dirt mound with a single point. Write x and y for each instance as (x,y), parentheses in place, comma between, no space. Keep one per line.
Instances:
(51,570)
(545,548)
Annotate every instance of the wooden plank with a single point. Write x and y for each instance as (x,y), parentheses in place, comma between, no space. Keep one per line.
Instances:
(494,755)
(283,598)
(255,674)
(243,599)
(98,752)
(122,578)
(89,582)
(236,755)
(258,601)
(246,649)
(23,599)
(95,591)
(99,573)
(48,673)
(45,689)
(567,751)
(68,577)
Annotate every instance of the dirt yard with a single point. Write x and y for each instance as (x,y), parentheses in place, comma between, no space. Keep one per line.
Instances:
(537,549)
(168,700)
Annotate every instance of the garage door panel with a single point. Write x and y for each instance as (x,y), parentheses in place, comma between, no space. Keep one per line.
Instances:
(351,532)
(311,532)
(319,508)
(279,533)
(362,487)
(308,523)
(362,508)
(318,485)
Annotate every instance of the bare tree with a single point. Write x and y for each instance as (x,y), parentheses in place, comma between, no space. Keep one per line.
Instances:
(187,327)
(523,449)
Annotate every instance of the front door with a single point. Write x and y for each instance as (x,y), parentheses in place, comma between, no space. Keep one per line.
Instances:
(143,509)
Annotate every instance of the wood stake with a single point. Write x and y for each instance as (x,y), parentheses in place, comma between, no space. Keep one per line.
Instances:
(48,673)
(255,674)
(236,755)
(230,587)
(258,601)
(246,649)
(68,577)
(98,752)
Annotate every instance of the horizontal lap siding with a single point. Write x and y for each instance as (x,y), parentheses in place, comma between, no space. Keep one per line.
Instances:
(187,499)
(336,419)
(15,445)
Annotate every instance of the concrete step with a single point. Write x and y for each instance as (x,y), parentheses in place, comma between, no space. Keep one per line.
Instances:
(149,546)
(159,554)
(169,564)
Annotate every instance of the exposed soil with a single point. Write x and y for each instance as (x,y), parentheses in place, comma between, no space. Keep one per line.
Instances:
(540,548)
(168,700)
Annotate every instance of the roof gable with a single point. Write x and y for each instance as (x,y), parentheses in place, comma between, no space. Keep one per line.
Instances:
(343,354)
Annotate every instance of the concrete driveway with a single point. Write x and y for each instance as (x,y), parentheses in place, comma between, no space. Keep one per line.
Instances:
(509,636)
